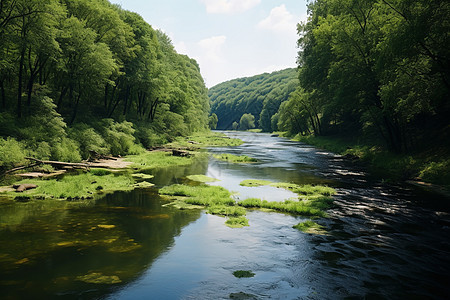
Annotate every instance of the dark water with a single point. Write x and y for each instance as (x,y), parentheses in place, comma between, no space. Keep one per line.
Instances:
(384,241)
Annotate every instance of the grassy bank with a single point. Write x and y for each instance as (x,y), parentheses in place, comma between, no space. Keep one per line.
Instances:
(96,182)
(432,165)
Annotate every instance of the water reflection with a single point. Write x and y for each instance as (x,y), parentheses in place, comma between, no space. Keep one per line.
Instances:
(78,251)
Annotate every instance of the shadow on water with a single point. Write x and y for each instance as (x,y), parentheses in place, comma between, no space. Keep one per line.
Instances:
(383,241)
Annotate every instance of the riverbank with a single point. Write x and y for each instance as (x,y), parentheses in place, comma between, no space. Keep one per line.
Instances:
(431,167)
(106,176)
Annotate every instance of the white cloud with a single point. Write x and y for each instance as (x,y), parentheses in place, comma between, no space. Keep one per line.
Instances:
(280,20)
(211,48)
(229,6)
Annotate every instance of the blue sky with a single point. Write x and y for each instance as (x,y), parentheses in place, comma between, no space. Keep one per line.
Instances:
(228,38)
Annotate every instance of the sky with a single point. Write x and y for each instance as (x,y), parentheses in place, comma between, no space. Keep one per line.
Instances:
(228,38)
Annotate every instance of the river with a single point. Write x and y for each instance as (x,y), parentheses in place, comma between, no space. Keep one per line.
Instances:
(383,241)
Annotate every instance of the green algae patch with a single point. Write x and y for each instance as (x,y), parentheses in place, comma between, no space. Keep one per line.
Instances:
(81,186)
(143,185)
(255,182)
(235,158)
(237,222)
(99,278)
(243,274)
(142,176)
(311,227)
(306,189)
(201,178)
(100,171)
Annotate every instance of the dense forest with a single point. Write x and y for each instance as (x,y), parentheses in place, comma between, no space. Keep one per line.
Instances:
(259,96)
(86,75)
(379,69)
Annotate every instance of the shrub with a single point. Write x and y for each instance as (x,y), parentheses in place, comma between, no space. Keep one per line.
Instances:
(12,153)
(119,136)
(88,140)
(68,150)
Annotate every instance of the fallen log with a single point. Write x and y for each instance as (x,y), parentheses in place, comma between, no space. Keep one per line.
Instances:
(59,164)
(21,168)
(23,187)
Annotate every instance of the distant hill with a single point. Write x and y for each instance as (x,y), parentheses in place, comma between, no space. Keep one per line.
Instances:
(260,95)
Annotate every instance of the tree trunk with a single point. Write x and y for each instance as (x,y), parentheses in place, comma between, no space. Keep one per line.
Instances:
(19,86)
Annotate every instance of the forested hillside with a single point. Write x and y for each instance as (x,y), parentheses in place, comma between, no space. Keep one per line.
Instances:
(84,75)
(259,96)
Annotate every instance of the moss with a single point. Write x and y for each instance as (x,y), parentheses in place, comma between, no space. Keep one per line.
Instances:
(243,274)
(237,222)
(201,178)
(310,227)
(303,208)
(254,182)
(235,158)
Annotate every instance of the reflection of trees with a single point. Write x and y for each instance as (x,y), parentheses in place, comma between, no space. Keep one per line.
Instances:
(167,176)
(51,249)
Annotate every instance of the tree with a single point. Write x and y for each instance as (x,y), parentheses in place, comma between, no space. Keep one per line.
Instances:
(247,122)
(212,121)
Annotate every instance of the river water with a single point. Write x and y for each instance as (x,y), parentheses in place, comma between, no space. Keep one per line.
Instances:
(383,241)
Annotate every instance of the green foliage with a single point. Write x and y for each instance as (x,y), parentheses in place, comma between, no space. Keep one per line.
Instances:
(374,69)
(66,150)
(247,122)
(206,139)
(12,153)
(235,158)
(313,207)
(88,140)
(212,121)
(118,136)
(437,172)
(259,96)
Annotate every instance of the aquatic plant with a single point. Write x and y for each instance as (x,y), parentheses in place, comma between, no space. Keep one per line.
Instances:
(204,195)
(243,274)
(142,176)
(226,210)
(201,178)
(254,182)
(311,227)
(237,222)
(235,158)
(304,208)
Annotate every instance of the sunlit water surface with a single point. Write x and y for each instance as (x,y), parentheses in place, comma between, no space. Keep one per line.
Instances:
(384,241)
